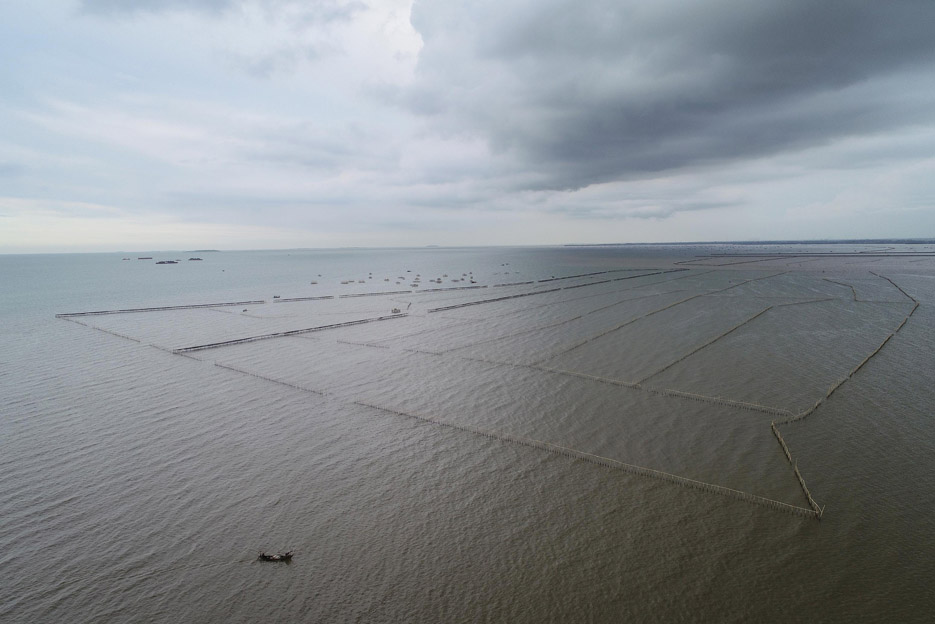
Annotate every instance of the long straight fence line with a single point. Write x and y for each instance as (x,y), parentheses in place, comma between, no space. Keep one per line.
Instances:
(555,279)
(706,344)
(666,281)
(606,281)
(702,398)
(908,296)
(101,329)
(819,511)
(805,302)
(697,261)
(511,335)
(375,294)
(362,344)
(159,309)
(648,314)
(668,392)
(550,290)
(495,299)
(290,299)
(265,378)
(602,461)
(294,332)
(425,290)
(556,324)
(599,294)
(610,330)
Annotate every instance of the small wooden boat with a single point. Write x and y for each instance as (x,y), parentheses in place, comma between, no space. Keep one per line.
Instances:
(286,556)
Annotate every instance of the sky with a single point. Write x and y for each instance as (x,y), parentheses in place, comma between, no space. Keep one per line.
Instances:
(259,124)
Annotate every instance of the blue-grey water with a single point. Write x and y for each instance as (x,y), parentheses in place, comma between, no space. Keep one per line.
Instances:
(535,456)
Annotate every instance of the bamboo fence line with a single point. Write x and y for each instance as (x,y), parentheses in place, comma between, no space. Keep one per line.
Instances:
(263,377)
(542,292)
(511,335)
(819,511)
(602,461)
(621,301)
(753,407)
(495,299)
(782,442)
(451,288)
(569,373)
(706,344)
(853,290)
(698,261)
(294,332)
(591,296)
(159,309)
(703,398)
(567,277)
(648,314)
(513,284)
(101,329)
(555,279)
(908,296)
(615,328)
(629,277)
(606,281)
(290,299)
(374,294)
(363,344)
(806,302)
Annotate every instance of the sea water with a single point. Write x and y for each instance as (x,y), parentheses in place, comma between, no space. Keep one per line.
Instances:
(511,435)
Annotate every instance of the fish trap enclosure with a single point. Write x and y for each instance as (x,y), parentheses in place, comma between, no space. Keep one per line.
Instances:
(685,375)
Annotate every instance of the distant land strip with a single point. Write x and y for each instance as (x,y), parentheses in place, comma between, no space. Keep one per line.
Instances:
(178,307)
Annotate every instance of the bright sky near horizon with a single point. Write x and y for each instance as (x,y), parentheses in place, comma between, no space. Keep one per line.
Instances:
(234,124)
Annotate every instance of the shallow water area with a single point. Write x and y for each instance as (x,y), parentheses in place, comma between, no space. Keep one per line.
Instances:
(549,434)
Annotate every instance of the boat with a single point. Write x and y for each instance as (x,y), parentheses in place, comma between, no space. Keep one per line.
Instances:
(282,556)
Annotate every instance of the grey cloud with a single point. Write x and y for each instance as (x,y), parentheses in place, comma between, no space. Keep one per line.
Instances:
(9,169)
(118,7)
(319,11)
(615,90)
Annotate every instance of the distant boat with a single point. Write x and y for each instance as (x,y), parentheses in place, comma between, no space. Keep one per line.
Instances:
(190,259)
(168,262)
(145,258)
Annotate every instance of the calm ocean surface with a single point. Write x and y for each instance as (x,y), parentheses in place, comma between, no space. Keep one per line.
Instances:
(506,435)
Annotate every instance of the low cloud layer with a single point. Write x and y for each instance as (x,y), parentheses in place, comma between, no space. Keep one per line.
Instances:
(615,90)
(349,122)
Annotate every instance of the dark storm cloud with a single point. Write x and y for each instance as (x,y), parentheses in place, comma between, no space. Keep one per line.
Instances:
(614,90)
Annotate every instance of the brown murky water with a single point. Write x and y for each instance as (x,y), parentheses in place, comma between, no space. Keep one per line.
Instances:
(562,434)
